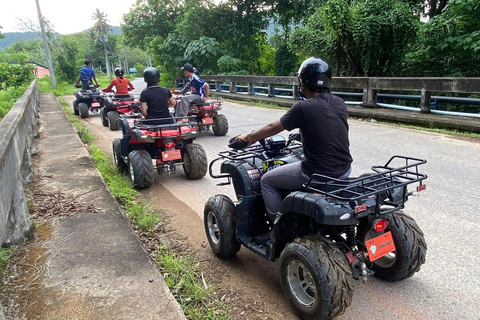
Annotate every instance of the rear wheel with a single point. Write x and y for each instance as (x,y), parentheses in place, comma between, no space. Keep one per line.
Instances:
(220,125)
(117,156)
(103,116)
(83,109)
(75,108)
(410,248)
(220,226)
(141,169)
(113,117)
(316,278)
(194,161)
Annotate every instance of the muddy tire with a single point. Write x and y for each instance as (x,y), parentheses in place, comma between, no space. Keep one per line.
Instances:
(113,117)
(410,245)
(316,278)
(122,167)
(103,116)
(194,161)
(83,109)
(220,125)
(220,226)
(75,108)
(140,169)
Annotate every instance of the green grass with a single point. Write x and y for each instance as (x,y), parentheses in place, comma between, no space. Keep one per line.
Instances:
(5,254)
(8,97)
(180,270)
(67,89)
(186,282)
(431,128)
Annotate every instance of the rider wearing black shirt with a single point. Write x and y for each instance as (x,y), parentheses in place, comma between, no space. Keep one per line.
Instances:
(322,120)
(155,100)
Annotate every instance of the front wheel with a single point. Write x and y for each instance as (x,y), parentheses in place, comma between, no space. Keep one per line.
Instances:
(316,278)
(75,108)
(103,116)
(83,109)
(113,117)
(194,161)
(410,248)
(220,226)
(220,125)
(140,169)
(117,156)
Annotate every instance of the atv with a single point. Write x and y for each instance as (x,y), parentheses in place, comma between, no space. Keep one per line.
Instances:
(325,235)
(88,100)
(115,107)
(206,115)
(168,143)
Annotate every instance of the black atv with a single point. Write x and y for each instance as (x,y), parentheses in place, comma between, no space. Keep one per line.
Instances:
(168,143)
(325,235)
(88,100)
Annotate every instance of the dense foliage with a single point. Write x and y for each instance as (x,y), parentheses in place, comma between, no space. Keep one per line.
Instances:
(272,37)
(15,75)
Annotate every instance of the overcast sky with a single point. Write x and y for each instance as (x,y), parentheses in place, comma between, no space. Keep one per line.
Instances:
(67,16)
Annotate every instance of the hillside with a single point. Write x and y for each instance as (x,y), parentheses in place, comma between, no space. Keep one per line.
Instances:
(11,37)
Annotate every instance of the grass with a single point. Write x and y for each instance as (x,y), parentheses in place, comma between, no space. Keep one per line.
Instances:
(67,89)
(8,97)
(5,254)
(179,268)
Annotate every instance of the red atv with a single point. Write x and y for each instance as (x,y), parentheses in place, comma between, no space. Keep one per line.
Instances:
(168,143)
(206,115)
(116,106)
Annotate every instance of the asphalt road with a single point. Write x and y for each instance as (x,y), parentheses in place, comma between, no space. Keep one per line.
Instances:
(448,284)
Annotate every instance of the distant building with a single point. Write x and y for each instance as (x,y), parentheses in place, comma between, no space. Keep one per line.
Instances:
(40,70)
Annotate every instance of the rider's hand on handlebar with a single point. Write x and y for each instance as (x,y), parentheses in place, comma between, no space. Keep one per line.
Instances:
(244,138)
(97,85)
(205,99)
(77,86)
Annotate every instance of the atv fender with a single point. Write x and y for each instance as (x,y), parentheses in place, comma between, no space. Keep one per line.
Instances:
(315,206)
(126,131)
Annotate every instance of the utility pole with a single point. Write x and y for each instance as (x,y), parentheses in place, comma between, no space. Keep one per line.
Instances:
(47,49)
(127,70)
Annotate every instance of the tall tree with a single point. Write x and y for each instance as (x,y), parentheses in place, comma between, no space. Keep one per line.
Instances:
(448,44)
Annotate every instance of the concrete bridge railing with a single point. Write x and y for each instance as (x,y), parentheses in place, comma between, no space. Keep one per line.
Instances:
(288,86)
(18,131)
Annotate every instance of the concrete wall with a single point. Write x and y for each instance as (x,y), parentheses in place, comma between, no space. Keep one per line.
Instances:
(18,131)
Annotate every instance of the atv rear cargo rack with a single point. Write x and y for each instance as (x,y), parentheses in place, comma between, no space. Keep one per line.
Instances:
(386,178)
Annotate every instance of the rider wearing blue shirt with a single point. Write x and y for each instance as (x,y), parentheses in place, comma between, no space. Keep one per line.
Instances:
(86,76)
(200,91)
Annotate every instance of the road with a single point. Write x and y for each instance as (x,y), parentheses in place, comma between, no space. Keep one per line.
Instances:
(448,284)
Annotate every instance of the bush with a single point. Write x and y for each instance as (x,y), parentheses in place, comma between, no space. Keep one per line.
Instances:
(12,75)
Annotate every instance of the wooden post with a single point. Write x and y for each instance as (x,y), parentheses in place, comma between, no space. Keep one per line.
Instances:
(217,86)
(250,88)
(232,87)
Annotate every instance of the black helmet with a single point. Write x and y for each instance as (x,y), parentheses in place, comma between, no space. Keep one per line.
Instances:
(314,74)
(188,67)
(118,72)
(151,75)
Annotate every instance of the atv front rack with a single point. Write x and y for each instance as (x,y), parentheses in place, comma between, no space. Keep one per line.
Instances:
(386,178)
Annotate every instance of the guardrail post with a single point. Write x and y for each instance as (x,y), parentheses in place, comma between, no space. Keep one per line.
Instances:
(425,101)
(270,90)
(232,88)
(369,98)
(217,86)
(250,88)
(295,92)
